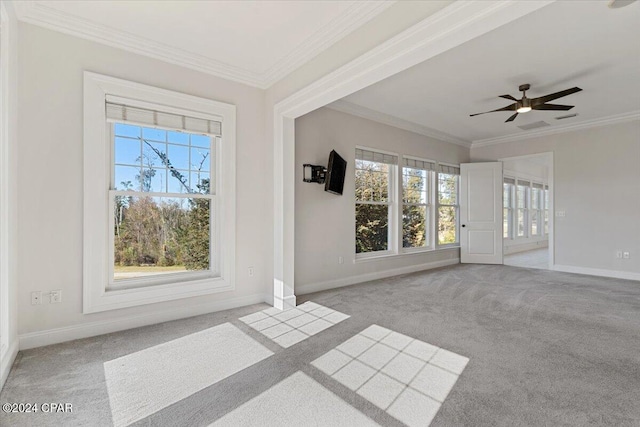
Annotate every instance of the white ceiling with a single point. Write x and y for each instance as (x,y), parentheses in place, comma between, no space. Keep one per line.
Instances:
(565,44)
(255,42)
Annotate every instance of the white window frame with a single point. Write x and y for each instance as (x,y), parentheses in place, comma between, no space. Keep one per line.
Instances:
(392,192)
(430,223)
(97,296)
(437,210)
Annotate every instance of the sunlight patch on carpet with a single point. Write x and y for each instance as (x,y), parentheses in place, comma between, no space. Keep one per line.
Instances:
(144,382)
(289,327)
(407,378)
(296,401)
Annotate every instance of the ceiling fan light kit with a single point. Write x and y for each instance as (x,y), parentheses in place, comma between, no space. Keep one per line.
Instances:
(524,105)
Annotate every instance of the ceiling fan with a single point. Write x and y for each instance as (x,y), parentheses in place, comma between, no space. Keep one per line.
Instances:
(525,104)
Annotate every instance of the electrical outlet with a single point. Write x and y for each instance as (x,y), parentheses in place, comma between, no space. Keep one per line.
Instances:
(340,260)
(55,296)
(36,298)
(619,254)
(625,255)
(250,271)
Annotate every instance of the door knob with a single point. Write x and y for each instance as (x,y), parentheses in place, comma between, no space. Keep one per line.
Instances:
(464,225)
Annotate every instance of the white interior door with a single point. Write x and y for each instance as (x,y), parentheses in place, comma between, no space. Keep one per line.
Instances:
(481,213)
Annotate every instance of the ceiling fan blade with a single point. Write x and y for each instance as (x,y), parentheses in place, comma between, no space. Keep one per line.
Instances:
(508,97)
(556,107)
(512,118)
(511,107)
(552,96)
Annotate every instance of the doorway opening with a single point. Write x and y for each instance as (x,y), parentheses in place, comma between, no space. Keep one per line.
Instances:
(527,211)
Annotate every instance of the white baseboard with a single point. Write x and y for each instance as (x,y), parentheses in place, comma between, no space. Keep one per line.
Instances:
(68,333)
(628,275)
(346,281)
(6,361)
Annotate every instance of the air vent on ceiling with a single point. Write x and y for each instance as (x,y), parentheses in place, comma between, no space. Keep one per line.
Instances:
(568,116)
(534,125)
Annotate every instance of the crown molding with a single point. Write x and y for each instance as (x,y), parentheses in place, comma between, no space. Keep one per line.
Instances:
(354,17)
(587,124)
(387,119)
(37,13)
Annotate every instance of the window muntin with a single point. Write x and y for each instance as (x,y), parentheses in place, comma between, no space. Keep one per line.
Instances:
(373,186)
(162,198)
(447,208)
(416,208)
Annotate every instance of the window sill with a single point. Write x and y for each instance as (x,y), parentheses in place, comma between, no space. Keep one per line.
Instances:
(113,299)
(401,255)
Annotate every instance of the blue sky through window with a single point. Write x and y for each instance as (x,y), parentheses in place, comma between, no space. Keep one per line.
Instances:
(139,164)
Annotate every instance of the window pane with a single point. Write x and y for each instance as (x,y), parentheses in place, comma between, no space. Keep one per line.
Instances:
(127,151)
(522,196)
(178,181)
(200,159)
(372,181)
(534,198)
(178,156)
(127,178)
(372,227)
(521,222)
(200,182)
(151,134)
(506,195)
(414,185)
(447,189)
(178,138)
(156,236)
(534,223)
(414,227)
(505,219)
(447,225)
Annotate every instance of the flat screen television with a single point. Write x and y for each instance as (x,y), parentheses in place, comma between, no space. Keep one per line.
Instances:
(334,178)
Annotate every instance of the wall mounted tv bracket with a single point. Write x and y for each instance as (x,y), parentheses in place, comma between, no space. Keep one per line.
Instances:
(314,173)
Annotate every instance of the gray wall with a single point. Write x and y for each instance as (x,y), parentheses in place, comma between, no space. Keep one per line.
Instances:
(597,183)
(324,223)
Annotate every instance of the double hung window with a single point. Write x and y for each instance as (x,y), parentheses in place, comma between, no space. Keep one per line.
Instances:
(159,181)
(374,188)
(416,203)
(447,204)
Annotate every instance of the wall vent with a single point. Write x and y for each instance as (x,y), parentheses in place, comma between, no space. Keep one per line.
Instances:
(534,125)
(568,116)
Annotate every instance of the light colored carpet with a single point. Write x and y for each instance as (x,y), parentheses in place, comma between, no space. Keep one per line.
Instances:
(142,383)
(296,401)
(545,349)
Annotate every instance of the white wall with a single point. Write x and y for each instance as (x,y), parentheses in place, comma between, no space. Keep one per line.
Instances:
(597,183)
(9,194)
(324,222)
(535,172)
(50,175)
